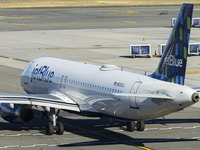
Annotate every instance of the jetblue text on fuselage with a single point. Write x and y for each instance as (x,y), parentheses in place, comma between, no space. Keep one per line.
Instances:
(172,61)
(42,73)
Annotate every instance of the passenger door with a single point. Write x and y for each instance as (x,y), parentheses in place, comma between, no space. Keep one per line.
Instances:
(134,89)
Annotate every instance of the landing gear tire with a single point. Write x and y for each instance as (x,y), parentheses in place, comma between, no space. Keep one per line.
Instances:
(59,128)
(130,126)
(53,125)
(49,128)
(140,126)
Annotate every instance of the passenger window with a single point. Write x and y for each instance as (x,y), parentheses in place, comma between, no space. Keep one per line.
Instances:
(107,90)
(65,81)
(61,81)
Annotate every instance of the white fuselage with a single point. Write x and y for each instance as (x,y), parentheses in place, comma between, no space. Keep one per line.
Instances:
(95,85)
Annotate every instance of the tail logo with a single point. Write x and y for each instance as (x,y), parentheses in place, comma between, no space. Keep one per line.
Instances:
(172,61)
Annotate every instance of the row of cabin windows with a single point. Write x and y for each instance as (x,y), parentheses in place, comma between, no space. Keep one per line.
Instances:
(65,81)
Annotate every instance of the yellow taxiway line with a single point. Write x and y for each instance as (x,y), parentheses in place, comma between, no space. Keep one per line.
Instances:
(192,72)
(19,24)
(129,21)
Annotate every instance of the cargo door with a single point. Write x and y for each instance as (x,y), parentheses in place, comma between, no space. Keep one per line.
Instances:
(134,89)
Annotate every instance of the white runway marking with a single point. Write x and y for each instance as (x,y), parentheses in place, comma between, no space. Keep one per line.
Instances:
(88,143)
(13,146)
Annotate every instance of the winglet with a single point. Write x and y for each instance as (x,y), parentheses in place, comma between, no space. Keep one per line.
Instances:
(173,62)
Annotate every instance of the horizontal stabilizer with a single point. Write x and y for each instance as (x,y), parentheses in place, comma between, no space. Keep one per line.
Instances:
(197,89)
(158,96)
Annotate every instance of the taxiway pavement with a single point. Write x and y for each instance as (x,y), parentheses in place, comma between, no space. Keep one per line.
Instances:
(96,36)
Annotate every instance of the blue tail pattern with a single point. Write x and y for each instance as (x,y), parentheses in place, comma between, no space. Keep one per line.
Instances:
(172,65)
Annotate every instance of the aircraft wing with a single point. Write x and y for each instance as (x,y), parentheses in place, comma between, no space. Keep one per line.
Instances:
(46,100)
(159,96)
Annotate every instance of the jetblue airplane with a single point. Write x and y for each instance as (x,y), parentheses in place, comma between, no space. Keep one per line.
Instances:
(56,84)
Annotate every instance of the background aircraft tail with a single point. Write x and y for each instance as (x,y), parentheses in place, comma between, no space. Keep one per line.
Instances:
(172,65)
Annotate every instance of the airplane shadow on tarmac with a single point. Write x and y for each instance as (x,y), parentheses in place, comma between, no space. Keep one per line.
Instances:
(98,130)
(104,136)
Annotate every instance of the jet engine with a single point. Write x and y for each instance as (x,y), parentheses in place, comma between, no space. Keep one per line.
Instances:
(15,113)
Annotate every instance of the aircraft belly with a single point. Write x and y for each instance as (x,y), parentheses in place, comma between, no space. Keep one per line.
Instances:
(151,108)
(114,107)
(147,108)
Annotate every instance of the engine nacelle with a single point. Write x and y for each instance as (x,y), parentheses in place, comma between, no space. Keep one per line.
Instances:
(15,113)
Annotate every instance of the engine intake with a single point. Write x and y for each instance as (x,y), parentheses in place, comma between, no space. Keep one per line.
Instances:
(16,114)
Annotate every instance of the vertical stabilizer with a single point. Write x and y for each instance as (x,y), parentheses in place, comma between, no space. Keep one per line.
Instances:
(172,65)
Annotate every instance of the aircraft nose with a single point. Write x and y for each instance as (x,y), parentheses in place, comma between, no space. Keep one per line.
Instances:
(195,97)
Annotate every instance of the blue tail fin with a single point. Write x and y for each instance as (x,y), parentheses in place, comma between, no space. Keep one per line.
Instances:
(172,65)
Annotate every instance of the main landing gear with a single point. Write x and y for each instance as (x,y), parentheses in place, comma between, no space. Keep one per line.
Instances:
(52,126)
(139,126)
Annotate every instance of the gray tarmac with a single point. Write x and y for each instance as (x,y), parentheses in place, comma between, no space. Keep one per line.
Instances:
(88,18)
(96,36)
